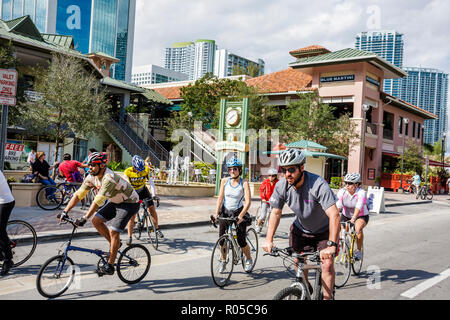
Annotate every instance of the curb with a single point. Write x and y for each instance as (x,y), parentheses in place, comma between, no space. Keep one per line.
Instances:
(58,235)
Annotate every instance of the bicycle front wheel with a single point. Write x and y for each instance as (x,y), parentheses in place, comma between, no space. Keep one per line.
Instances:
(429,195)
(138,226)
(357,263)
(55,276)
(151,231)
(252,241)
(23,241)
(342,265)
(133,264)
(49,198)
(297,292)
(222,261)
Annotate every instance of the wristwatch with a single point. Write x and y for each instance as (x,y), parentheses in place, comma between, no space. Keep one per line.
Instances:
(331,243)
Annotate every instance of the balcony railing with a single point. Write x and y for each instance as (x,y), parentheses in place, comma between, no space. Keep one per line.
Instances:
(371,128)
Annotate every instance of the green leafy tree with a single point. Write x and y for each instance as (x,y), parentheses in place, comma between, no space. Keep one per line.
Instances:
(253,70)
(238,70)
(202,102)
(412,158)
(71,100)
(309,119)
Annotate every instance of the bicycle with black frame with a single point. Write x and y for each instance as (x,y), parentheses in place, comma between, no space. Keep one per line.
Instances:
(300,289)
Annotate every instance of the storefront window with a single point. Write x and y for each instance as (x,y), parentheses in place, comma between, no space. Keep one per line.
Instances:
(80,149)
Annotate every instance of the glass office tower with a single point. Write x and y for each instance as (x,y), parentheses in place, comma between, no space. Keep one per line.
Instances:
(389,46)
(428,88)
(96,25)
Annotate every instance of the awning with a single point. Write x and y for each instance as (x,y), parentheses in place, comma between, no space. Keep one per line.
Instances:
(438,164)
(391,154)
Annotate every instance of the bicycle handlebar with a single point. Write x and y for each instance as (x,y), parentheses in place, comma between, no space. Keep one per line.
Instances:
(289,252)
(214,221)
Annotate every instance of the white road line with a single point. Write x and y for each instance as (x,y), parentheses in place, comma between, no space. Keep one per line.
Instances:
(421,287)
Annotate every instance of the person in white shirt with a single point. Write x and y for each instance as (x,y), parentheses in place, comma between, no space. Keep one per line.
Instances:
(6,206)
(31,158)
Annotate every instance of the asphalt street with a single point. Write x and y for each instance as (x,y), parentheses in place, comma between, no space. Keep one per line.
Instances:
(406,258)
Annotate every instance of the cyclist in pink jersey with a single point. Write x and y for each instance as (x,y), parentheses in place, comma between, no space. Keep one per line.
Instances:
(353,201)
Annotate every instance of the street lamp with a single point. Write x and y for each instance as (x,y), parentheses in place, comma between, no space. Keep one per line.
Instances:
(405,121)
(443,155)
(190,116)
(365,108)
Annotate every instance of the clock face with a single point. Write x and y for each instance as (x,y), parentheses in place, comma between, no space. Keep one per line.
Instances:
(233,117)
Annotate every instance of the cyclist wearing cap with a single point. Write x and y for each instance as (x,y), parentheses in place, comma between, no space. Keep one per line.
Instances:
(316,226)
(138,175)
(265,192)
(233,202)
(122,205)
(352,199)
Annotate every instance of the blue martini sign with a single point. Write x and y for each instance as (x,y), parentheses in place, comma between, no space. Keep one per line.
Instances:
(74,19)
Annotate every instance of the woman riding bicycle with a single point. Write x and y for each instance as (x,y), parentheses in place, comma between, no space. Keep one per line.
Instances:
(353,201)
(138,175)
(230,204)
(7,203)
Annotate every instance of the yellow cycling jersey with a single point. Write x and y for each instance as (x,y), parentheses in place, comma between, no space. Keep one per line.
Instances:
(137,179)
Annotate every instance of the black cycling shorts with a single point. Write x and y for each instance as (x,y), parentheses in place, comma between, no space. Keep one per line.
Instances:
(145,196)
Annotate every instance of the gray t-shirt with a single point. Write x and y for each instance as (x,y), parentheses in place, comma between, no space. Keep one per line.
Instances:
(308,203)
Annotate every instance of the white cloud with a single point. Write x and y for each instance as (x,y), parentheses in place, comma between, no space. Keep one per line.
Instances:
(270,29)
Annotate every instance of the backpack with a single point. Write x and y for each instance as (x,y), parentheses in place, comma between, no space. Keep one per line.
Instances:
(28,178)
(77,176)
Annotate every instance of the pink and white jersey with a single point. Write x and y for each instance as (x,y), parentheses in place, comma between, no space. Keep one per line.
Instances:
(349,203)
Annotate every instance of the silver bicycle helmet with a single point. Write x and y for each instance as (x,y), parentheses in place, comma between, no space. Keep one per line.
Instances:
(353,178)
(272,172)
(291,157)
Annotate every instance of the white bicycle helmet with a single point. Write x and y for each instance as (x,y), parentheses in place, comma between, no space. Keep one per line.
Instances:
(292,157)
(353,178)
(272,172)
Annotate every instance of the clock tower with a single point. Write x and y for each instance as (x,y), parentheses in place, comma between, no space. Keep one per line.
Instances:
(232,140)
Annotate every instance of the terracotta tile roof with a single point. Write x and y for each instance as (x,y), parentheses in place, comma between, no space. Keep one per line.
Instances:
(423,111)
(171,93)
(282,81)
(309,51)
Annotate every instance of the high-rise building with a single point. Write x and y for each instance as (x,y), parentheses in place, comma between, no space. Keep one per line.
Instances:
(151,74)
(105,26)
(428,89)
(192,58)
(225,61)
(388,44)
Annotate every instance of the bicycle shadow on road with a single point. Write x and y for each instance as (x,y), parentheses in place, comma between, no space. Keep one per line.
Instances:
(404,276)
(179,245)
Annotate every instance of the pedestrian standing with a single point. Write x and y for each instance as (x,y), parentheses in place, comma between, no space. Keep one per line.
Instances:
(6,206)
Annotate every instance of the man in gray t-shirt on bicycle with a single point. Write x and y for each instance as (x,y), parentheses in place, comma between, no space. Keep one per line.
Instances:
(317,222)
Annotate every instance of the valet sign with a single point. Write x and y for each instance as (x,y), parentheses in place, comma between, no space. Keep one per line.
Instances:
(8,87)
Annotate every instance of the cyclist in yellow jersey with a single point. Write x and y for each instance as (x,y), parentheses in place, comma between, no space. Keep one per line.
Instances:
(138,175)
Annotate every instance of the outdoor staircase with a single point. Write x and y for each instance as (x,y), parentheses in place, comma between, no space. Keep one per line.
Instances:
(143,144)
(203,143)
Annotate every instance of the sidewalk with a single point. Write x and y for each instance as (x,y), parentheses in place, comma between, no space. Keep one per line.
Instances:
(174,212)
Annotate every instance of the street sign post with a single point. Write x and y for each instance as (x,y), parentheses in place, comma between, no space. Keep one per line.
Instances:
(8,88)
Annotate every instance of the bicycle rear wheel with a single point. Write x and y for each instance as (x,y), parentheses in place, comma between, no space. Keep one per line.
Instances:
(342,264)
(357,263)
(151,231)
(133,264)
(429,195)
(222,261)
(23,240)
(297,292)
(55,276)
(49,198)
(68,191)
(252,240)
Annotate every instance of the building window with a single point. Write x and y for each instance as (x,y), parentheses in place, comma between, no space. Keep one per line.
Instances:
(80,149)
(388,126)
(413,129)
(400,125)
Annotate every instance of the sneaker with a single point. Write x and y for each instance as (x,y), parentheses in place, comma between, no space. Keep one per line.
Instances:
(358,255)
(159,234)
(107,269)
(248,265)
(258,229)
(84,208)
(222,266)
(7,264)
(129,241)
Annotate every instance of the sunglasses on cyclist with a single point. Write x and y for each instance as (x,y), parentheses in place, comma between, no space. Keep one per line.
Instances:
(349,183)
(290,170)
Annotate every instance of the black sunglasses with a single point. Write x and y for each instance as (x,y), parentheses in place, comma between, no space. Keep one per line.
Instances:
(349,183)
(290,170)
